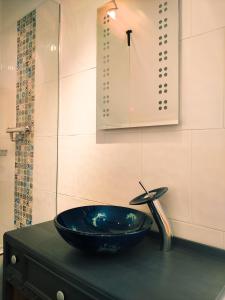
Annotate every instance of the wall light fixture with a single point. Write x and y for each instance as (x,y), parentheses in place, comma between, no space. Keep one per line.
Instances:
(112,11)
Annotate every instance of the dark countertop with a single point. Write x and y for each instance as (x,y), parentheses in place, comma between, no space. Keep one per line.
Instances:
(189,272)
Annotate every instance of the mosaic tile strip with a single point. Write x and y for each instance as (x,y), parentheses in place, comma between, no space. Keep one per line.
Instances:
(3,152)
(26,36)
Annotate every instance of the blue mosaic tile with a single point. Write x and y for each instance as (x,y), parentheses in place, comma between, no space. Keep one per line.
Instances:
(25,97)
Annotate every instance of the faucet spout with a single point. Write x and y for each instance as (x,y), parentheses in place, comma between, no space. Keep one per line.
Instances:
(151,198)
(162,223)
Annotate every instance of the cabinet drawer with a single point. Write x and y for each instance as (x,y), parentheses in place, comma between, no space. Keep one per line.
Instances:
(15,259)
(46,284)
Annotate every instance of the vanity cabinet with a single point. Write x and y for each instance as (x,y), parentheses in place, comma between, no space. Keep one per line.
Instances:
(29,279)
(40,265)
(28,276)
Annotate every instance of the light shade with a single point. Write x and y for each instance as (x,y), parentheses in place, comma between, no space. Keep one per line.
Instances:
(112,13)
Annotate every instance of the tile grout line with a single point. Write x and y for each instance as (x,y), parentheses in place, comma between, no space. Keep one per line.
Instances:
(153,131)
(197,225)
(202,33)
(76,73)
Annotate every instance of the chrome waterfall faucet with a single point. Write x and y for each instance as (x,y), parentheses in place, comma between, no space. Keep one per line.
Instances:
(151,198)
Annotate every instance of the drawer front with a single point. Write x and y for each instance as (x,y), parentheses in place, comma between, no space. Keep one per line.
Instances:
(48,285)
(15,259)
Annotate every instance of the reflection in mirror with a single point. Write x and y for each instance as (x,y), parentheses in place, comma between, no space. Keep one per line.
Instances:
(29,32)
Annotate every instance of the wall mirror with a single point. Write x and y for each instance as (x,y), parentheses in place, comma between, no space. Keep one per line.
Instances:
(137,63)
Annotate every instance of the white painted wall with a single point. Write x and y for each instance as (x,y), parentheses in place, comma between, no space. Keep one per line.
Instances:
(105,167)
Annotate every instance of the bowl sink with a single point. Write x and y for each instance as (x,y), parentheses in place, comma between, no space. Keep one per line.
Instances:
(102,228)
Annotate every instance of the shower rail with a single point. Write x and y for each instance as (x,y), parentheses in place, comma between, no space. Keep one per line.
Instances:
(19,130)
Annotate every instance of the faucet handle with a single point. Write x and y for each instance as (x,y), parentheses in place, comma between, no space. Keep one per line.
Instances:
(150,196)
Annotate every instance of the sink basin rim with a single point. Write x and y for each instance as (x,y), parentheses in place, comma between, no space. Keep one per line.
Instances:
(147,223)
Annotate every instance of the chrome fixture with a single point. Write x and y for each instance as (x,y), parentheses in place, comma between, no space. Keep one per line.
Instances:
(112,11)
(151,199)
(17,130)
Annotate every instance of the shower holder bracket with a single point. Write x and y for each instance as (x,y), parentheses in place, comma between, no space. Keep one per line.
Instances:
(17,130)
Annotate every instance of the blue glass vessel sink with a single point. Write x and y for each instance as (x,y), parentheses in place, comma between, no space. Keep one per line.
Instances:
(102,228)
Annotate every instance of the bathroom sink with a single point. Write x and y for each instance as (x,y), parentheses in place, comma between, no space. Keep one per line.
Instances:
(102,228)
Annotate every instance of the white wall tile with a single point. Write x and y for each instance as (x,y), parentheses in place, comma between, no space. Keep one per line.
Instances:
(202,81)
(67,202)
(3,229)
(8,111)
(45,162)
(207,15)
(47,38)
(9,49)
(46,109)
(7,162)
(78,103)
(198,234)
(8,80)
(166,162)
(7,202)
(11,15)
(44,206)
(185,18)
(106,173)
(208,178)
(67,165)
(78,35)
